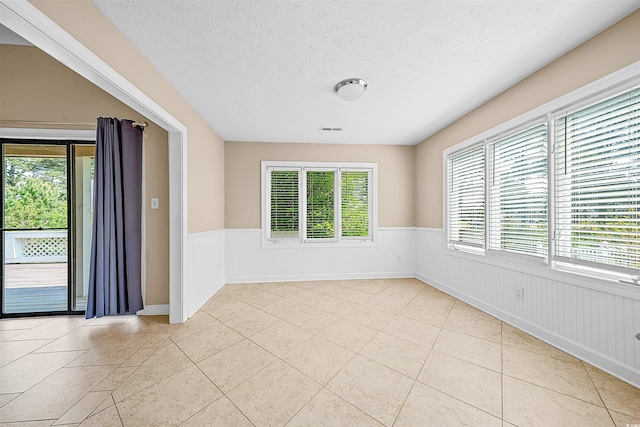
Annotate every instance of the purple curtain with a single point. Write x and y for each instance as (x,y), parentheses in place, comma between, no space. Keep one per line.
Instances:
(115,272)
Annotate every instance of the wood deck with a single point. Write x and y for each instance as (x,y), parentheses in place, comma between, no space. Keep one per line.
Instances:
(31,288)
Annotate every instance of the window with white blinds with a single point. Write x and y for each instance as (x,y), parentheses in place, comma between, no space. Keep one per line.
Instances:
(518,193)
(466,205)
(313,202)
(285,211)
(597,184)
(320,196)
(355,203)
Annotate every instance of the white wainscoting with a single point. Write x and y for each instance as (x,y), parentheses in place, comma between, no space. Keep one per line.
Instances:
(592,324)
(246,261)
(205,268)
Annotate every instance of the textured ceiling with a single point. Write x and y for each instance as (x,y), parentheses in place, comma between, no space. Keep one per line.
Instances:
(265,70)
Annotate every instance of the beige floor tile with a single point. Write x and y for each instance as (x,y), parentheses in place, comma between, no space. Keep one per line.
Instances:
(624,420)
(29,370)
(56,328)
(112,320)
(285,308)
(565,377)
(231,310)
(14,350)
(312,319)
(138,357)
(112,350)
(397,354)
(81,410)
(8,334)
(375,389)
(221,413)
(336,306)
(115,378)
(46,401)
(199,322)
(526,405)
(431,316)
(518,339)
(162,364)
(329,288)
(348,334)
(473,384)
(370,286)
(318,358)
(354,295)
(84,338)
(157,340)
(475,327)
(284,289)
(616,394)
(107,418)
(413,331)
(252,323)
(426,406)
(403,292)
(259,299)
(43,423)
(463,309)
(386,303)
(171,401)
(220,299)
(209,342)
(475,350)
(144,325)
(7,397)
(23,324)
(274,395)
(370,317)
(106,403)
(280,338)
(432,300)
(235,364)
(309,297)
(327,409)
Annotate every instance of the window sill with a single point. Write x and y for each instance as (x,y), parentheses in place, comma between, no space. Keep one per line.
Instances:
(316,245)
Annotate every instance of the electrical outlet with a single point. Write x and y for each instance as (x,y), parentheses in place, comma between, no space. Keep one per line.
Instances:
(398,259)
(519,293)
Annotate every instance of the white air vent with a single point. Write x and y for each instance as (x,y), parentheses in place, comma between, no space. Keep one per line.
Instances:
(331,129)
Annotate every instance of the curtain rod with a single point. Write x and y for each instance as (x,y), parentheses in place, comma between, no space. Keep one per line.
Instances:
(142,124)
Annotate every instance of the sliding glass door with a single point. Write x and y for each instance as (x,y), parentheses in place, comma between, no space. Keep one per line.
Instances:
(46,226)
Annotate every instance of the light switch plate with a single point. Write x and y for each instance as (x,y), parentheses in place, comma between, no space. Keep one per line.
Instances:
(155,203)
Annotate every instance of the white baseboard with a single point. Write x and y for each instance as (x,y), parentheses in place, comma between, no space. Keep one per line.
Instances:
(154,310)
(313,277)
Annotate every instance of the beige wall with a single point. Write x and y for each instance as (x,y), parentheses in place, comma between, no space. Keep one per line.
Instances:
(242,177)
(609,51)
(205,150)
(35,87)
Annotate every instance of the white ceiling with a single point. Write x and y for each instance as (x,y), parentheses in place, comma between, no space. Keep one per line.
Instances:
(9,37)
(265,70)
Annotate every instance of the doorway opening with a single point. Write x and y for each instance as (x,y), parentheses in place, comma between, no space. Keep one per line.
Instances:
(45,238)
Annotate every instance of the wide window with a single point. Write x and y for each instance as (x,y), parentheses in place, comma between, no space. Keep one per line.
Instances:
(318,202)
(597,185)
(576,208)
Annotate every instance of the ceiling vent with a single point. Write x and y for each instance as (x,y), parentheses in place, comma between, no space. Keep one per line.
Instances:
(330,129)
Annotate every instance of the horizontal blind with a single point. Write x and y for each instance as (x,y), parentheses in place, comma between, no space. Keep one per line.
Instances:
(518,188)
(597,190)
(355,203)
(285,212)
(320,205)
(466,197)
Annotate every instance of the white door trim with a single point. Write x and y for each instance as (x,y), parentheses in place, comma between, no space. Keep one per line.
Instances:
(29,23)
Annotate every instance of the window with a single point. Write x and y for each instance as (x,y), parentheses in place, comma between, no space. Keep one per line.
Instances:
(466,198)
(597,184)
(318,202)
(583,197)
(518,193)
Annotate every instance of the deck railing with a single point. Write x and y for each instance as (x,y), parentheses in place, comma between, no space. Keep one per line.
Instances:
(25,247)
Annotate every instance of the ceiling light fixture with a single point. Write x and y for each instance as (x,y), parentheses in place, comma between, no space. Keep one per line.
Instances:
(350,89)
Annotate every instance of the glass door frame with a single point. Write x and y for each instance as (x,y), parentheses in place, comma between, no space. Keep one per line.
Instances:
(71,223)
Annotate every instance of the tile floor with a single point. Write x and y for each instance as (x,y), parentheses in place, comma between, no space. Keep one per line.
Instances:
(348,353)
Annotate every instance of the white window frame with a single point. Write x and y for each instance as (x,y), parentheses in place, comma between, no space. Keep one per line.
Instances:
(301,240)
(620,81)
